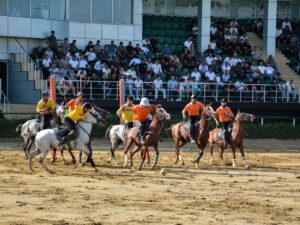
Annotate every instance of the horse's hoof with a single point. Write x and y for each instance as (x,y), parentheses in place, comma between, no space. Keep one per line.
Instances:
(125,165)
(116,163)
(148,162)
(73,162)
(52,161)
(176,161)
(96,169)
(196,165)
(152,167)
(182,163)
(140,168)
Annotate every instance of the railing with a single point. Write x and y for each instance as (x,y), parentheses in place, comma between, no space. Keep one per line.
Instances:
(108,90)
(6,106)
(23,57)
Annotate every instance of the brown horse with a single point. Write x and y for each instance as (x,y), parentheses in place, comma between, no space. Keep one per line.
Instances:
(181,134)
(151,137)
(236,138)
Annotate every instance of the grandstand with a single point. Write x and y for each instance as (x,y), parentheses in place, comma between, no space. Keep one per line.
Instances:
(211,48)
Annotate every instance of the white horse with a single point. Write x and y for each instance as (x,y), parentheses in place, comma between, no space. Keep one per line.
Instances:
(30,128)
(116,134)
(47,139)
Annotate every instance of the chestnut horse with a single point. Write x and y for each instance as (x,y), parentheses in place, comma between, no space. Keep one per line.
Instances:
(151,137)
(181,134)
(236,138)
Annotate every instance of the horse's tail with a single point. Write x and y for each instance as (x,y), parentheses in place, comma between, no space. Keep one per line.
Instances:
(19,128)
(107,132)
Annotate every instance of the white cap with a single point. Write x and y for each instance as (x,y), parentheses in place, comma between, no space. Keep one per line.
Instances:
(145,102)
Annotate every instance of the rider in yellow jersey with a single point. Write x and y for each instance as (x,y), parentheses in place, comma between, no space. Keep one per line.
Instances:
(77,114)
(46,109)
(126,114)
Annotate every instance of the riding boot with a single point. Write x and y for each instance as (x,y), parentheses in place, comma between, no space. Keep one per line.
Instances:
(225,138)
(192,139)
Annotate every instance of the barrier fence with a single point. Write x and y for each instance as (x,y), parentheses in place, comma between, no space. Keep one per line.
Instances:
(108,90)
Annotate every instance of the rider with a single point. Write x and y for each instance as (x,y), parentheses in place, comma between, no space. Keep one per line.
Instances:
(77,114)
(45,108)
(72,102)
(140,116)
(224,116)
(194,109)
(126,114)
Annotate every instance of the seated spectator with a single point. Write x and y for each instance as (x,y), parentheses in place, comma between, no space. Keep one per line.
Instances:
(98,68)
(50,53)
(234,23)
(111,87)
(74,63)
(145,49)
(165,50)
(226,76)
(209,59)
(282,90)
(195,74)
(132,72)
(129,48)
(89,46)
(213,30)
(73,47)
(172,87)
(203,68)
(65,45)
(53,71)
(226,66)
(255,53)
(239,86)
(83,62)
(258,26)
(291,91)
(91,56)
(121,51)
(213,45)
(81,75)
(158,85)
(269,72)
(271,61)
(188,44)
(137,87)
(111,50)
(98,47)
(210,75)
(156,68)
(261,68)
(286,24)
(209,50)
(148,86)
(142,69)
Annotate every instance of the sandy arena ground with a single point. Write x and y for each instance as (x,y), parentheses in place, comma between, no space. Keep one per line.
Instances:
(267,193)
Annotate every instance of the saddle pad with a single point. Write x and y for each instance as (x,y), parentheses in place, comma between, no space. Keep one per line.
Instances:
(60,132)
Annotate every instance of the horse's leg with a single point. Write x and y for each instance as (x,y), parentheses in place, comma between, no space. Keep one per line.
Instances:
(114,145)
(148,156)
(200,154)
(72,155)
(88,154)
(42,161)
(244,156)
(133,153)
(62,155)
(143,159)
(233,157)
(211,148)
(156,156)
(130,142)
(221,151)
(26,140)
(31,141)
(179,153)
(53,155)
(31,155)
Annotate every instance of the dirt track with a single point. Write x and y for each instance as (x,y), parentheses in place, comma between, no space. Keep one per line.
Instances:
(267,193)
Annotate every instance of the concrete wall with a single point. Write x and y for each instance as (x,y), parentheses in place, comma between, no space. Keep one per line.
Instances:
(33,31)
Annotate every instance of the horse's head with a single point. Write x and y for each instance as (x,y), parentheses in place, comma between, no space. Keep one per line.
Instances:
(104,113)
(245,117)
(161,113)
(60,110)
(208,112)
(95,118)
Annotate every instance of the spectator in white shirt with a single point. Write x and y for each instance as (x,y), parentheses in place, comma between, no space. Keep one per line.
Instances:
(195,74)
(91,56)
(233,30)
(73,62)
(83,62)
(132,72)
(156,68)
(98,68)
(234,23)
(226,66)
(291,92)
(210,75)
(145,49)
(135,61)
(81,75)
(213,30)
(278,31)
(49,52)
(282,89)
(46,62)
(158,86)
(226,76)
(203,68)
(286,23)
(53,70)
(138,83)
(239,85)
(188,44)
(209,59)
(261,68)
(269,71)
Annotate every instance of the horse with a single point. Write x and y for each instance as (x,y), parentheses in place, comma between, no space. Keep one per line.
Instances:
(236,138)
(151,137)
(29,129)
(181,135)
(47,138)
(116,134)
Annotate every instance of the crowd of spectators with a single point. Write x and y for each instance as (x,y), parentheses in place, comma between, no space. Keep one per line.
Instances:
(228,65)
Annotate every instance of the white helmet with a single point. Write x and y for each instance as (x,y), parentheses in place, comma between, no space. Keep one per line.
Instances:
(145,102)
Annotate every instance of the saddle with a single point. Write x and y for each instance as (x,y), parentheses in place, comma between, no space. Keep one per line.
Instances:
(60,132)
